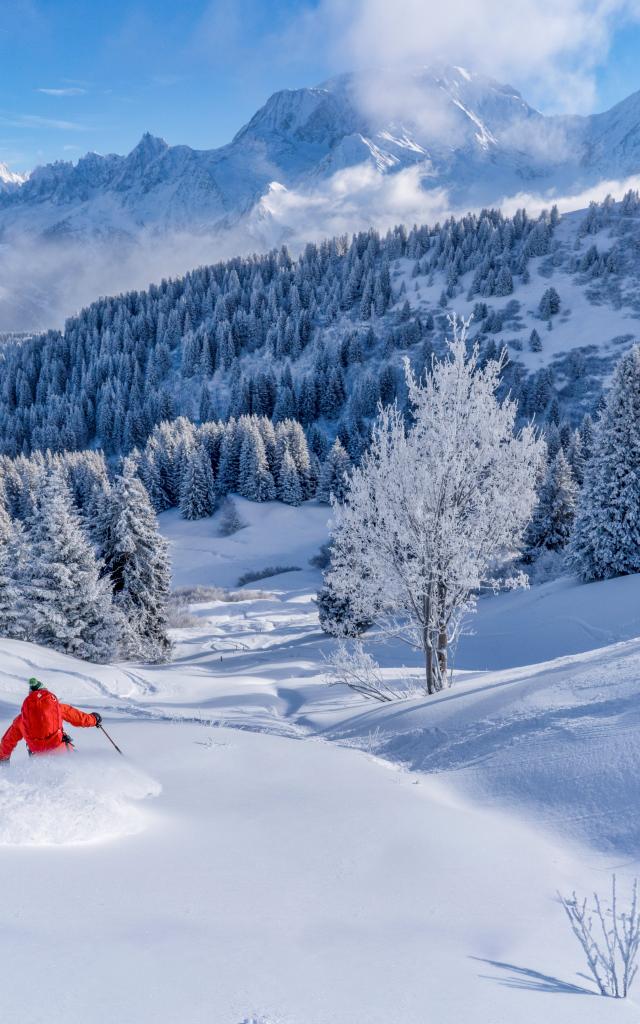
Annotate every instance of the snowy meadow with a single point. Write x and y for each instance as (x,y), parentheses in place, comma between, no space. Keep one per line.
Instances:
(267,831)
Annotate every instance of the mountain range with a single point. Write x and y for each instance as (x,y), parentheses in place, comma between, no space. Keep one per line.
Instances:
(458,130)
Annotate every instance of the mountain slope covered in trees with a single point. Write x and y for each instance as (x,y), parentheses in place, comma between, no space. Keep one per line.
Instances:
(312,162)
(321,339)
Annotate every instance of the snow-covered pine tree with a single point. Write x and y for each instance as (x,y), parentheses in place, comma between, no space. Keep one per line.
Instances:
(83,473)
(549,304)
(291,435)
(229,466)
(11,568)
(535,341)
(435,504)
(289,486)
(587,435)
(575,455)
(334,474)
(197,491)
(152,476)
(504,281)
(66,603)
(606,539)
(336,614)
(205,408)
(255,480)
(554,514)
(136,560)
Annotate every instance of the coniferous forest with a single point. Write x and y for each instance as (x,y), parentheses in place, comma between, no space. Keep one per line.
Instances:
(261,377)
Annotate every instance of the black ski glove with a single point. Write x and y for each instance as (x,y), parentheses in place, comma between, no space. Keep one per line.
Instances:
(97,717)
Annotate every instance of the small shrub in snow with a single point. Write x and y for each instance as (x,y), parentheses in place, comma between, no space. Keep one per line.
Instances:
(179,616)
(230,519)
(337,615)
(609,937)
(351,666)
(200,595)
(323,557)
(262,574)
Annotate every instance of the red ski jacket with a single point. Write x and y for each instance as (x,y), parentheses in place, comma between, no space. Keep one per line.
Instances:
(39,724)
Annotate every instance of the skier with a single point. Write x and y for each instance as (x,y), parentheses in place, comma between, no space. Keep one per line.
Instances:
(39,724)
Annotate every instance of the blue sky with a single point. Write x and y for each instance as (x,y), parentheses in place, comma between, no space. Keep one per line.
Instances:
(78,75)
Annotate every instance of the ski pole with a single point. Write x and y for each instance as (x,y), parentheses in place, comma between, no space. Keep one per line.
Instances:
(102,728)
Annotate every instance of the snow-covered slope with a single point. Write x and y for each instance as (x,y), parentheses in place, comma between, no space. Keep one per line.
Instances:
(261,873)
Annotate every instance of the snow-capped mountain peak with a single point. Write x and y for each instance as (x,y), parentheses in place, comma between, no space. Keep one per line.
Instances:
(470,134)
(10,179)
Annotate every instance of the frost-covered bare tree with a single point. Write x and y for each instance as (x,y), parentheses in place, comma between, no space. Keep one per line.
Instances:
(436,506)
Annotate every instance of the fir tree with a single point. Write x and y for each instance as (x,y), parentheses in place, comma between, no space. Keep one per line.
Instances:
(67,605)
(255,479)
(229,465)
(291,436)
(334,474)
(504,282)
(554,515)
(12,553)
(289,486)
(606,540)
(197,492)
(205,410)
(575,455)
(587,435)
(137,565)
(549,304)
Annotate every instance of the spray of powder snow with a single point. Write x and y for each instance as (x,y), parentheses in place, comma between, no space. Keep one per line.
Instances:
(68,800)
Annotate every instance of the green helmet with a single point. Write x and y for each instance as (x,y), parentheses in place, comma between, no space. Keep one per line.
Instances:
(35,684)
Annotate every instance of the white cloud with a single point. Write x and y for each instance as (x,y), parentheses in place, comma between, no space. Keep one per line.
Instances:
(359,198)
(549,48)
(35,121)
(351,200)
(68,90)
(534,202)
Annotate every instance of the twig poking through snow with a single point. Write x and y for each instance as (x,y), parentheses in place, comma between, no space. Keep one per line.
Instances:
(353,667)
(609,937)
